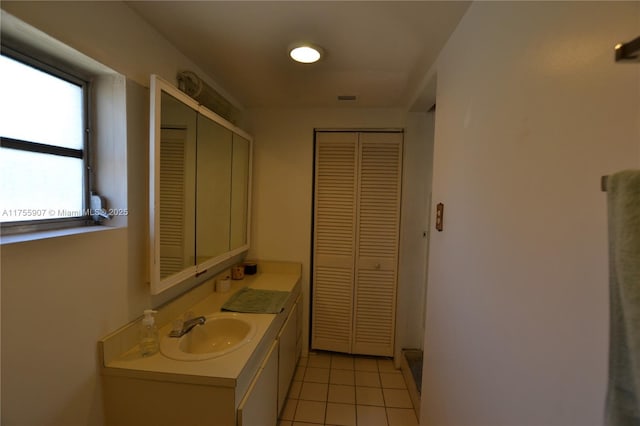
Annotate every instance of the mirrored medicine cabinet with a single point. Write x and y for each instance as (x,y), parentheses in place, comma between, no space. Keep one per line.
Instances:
(199,188)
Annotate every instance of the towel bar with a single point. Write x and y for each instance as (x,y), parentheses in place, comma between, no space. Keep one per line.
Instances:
(628,52)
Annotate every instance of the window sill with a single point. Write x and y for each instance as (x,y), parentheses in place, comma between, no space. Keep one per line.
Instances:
(54,233)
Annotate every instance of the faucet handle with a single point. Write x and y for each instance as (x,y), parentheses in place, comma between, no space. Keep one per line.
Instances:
(176,327)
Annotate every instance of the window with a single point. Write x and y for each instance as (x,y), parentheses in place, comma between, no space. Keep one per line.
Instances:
(43,146)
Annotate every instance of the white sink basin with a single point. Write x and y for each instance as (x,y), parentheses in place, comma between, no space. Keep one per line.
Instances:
(222,333)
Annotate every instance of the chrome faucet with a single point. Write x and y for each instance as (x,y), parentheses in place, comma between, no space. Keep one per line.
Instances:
(187,326)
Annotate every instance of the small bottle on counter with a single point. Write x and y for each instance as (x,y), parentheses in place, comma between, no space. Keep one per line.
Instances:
(223,285)
(149,334)
(237,272)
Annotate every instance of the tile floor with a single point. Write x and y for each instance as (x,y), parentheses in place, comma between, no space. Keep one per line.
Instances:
(343,390)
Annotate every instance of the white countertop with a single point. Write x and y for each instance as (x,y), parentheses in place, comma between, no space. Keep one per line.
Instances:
(227,370)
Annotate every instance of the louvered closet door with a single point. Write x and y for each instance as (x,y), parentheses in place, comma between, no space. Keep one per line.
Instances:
(377,243)
(356,233)
(334,241)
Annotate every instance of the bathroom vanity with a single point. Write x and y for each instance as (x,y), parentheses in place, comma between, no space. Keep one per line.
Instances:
(245,386)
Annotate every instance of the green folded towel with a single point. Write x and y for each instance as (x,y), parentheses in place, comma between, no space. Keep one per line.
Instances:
(249,300)
(623,394)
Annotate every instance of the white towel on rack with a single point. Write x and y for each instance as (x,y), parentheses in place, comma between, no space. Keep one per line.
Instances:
(623,394)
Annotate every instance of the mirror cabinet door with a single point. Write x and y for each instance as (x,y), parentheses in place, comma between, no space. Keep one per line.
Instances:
(213,199)
(239,192)
(198,188)
(178,132)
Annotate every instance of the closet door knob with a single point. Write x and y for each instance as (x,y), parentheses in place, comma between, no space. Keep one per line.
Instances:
(377,266)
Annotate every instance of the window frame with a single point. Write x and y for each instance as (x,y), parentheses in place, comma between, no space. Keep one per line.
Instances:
(46,63)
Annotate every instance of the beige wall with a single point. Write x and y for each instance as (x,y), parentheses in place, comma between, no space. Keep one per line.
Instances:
(532,110)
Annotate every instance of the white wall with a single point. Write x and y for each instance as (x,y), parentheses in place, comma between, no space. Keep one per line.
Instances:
(283,185)
(532,110)
(416,194)
(61,295)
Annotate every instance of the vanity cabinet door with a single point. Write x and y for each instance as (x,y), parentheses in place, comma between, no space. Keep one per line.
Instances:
(287,355)
(259,405)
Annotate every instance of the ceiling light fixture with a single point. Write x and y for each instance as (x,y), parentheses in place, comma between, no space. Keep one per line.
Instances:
(305,53)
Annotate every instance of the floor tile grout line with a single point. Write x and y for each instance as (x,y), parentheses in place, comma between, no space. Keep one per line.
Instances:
(355,386)
(324,419)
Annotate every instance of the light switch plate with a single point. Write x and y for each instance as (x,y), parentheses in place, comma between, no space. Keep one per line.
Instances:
(440,217)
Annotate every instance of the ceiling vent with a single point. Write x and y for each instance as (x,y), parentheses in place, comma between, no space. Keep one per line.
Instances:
(194,86)
(347,97)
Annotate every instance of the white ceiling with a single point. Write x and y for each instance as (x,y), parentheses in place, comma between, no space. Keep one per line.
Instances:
(379,51)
